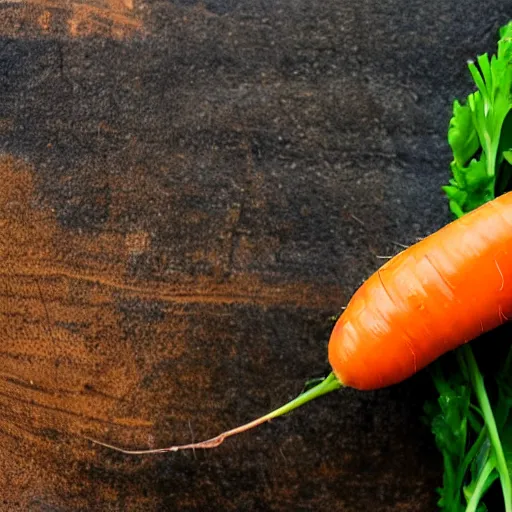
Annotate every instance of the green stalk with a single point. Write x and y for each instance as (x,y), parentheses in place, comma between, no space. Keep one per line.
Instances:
(490,422)
(470,456)
(330,383)
(480,485)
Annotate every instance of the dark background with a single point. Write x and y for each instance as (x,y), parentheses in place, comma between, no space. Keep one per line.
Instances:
(188,192)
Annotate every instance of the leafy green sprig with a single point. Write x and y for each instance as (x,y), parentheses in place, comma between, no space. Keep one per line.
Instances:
(472,430)
(479,133)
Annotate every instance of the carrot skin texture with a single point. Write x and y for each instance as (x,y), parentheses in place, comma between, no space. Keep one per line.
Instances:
(429,299)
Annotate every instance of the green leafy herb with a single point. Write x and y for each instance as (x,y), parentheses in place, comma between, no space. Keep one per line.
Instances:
(475,132)
(448,418)
(472,427)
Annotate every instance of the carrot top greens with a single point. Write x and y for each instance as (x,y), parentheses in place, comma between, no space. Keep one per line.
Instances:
(480,132)
(472,418)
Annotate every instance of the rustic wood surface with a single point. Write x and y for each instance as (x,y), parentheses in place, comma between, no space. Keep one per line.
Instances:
(188,192)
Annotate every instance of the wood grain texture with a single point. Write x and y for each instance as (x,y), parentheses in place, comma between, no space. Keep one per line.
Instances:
(113,19)
(188,192)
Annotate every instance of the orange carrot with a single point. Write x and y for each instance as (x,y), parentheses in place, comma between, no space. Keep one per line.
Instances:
(429,299)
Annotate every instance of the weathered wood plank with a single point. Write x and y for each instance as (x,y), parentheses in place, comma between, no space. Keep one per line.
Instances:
(188,192)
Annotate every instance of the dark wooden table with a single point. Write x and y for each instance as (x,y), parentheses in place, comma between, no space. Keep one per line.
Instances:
(188,192)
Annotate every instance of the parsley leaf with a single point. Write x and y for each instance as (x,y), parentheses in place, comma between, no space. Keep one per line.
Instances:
(448,418)
(475,130)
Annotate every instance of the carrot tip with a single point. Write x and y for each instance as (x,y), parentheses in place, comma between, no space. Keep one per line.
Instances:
(330,383)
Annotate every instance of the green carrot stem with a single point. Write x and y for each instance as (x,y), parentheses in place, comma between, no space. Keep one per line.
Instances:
(470,455)
(330,383)
(490,422)
(480,485)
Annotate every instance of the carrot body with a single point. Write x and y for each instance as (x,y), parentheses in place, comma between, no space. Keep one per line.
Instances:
(431,298)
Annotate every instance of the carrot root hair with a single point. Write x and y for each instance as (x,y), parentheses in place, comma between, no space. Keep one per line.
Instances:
(330,383)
